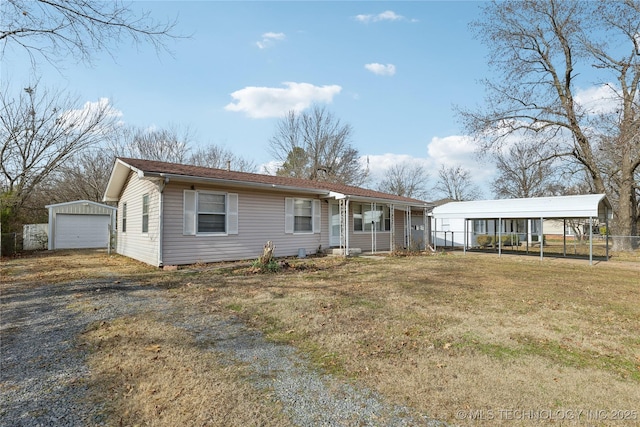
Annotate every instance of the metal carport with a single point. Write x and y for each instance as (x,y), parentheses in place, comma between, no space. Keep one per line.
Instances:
(562,207)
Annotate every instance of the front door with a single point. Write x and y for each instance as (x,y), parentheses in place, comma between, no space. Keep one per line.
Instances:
(334,224)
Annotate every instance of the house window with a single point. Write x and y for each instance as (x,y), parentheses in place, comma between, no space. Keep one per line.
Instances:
(212,213)
(480,226)
(124,217)
(302,216)
(357,217)
(366,218)
(207,213)
(145,213)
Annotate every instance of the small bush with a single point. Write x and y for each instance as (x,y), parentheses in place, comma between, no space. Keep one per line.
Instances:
(272,266)
(510,240)
(485,240)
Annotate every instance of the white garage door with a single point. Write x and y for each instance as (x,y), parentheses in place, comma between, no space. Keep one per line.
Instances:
(81,231)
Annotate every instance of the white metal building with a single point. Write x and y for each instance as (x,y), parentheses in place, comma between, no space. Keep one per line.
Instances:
(525,216)
(80,224)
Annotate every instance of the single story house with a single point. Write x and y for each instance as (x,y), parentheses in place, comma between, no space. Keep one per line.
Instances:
(174,214)
(80,224)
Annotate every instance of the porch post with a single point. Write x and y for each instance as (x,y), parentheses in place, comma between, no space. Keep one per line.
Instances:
(346,228)
(373,227)
(392,225)
(408,227)
(425,232)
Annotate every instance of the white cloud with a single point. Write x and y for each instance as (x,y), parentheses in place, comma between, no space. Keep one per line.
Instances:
(460,150)
(381,69)
(449,151)
(264,102)
(598,99)
(268,39)
(387,15)
(82,118)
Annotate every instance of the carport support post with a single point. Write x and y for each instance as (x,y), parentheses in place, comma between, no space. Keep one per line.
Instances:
(590,240)
(466,237)
(499,236)
(606,225)
(541,238)
(564,237)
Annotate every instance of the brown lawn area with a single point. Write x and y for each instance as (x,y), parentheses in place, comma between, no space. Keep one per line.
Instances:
(510,340)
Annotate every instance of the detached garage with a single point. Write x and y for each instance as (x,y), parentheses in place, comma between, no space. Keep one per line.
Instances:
(79,225)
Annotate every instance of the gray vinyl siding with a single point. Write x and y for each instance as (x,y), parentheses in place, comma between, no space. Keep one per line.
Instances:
(134,243)
(400,238)
(261,218)
(362,240)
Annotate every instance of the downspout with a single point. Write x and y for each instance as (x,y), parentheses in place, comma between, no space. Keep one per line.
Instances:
(161,186)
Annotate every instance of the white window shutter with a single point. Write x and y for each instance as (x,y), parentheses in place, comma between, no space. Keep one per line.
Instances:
(317,215)
(232,213)
(189,212)
(288,215)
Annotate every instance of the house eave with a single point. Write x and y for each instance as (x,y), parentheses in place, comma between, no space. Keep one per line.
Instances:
(232,183)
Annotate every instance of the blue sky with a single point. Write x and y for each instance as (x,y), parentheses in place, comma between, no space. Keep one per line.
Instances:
(393,70)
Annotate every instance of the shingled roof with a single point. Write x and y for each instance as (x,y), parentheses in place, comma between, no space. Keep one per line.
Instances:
(198,173)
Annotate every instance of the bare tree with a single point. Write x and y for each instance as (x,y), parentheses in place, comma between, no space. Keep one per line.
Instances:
(39,132)
(165,145)
(525,170)
(214,156)
(315,145)
(456,183)
(54,29)
(539,48)
(406,179)
(83,177)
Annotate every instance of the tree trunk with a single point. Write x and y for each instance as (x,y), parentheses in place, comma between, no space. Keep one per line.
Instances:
(625,225)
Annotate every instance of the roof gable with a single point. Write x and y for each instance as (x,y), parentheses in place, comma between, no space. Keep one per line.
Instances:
(189,173)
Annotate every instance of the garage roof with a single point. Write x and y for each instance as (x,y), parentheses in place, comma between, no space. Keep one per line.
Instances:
(580,206)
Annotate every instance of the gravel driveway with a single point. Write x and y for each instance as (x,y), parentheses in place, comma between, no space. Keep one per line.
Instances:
(44,375)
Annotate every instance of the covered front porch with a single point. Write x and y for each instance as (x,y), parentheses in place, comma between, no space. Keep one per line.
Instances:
(358,224)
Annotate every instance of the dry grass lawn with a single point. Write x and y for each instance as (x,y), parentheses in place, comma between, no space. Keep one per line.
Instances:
(502,340)
(155,374)
(474,333)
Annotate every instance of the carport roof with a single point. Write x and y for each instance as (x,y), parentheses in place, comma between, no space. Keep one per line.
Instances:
(580,206)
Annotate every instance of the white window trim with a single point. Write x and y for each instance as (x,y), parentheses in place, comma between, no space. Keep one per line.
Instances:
(147,214)
(383,222)
(124,219)
(289,216)
(190,213)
